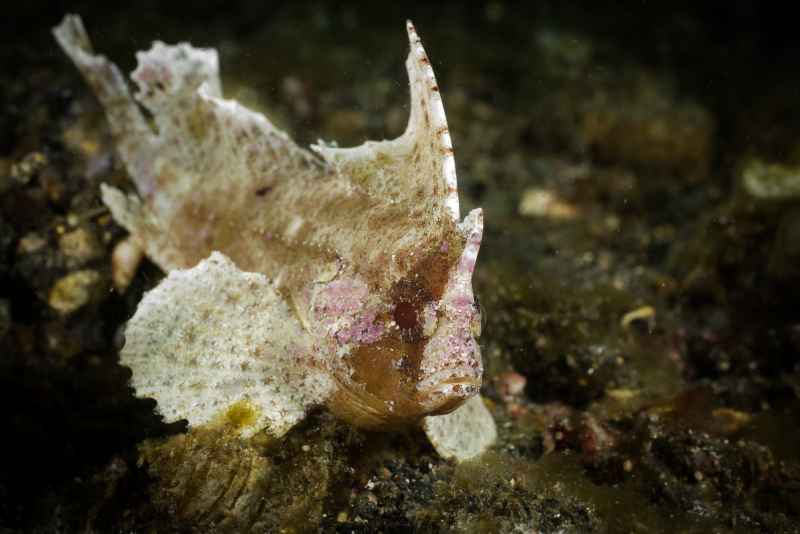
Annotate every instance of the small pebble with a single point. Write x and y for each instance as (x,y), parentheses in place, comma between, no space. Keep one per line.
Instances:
(74,291)
(643,313)
(79,246)
(510,385)
(627,466)
(30,243)
(23,170)
(542,203)
(125,259)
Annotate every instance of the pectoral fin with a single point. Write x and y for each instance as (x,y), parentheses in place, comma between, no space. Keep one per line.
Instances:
(213,341)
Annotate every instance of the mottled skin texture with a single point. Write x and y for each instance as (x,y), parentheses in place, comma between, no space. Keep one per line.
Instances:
(362,245)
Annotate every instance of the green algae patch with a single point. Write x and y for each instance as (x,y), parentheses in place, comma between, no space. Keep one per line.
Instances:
(241,415)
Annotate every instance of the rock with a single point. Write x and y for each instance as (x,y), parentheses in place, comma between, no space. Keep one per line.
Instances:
(30,243)
(770,181)
(538,202)
(214,480)
(125,259)
(650,128)
(74,291)
(23,170)
(80,247)
(511,385)
(627,117)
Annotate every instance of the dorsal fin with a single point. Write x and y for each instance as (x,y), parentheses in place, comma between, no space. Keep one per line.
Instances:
(418,166)
(214,175)
(132,134)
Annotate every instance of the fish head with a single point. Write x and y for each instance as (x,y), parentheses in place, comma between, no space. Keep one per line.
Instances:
(417,353)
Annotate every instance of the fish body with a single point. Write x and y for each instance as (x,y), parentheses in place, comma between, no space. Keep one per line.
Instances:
(335,276)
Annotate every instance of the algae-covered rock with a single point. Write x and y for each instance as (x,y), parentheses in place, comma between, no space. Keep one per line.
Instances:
(496,493)
(79,247)
(75,290)
(770,181)
(567,341)
(646,125)
(211,478)
(616,113)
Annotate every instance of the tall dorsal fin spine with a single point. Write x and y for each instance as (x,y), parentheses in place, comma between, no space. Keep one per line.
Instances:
(437,116)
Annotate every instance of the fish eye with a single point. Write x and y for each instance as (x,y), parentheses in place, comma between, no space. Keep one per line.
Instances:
(405,315)
(409,311)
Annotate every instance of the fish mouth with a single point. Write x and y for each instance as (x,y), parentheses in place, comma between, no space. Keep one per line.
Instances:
(448,394)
